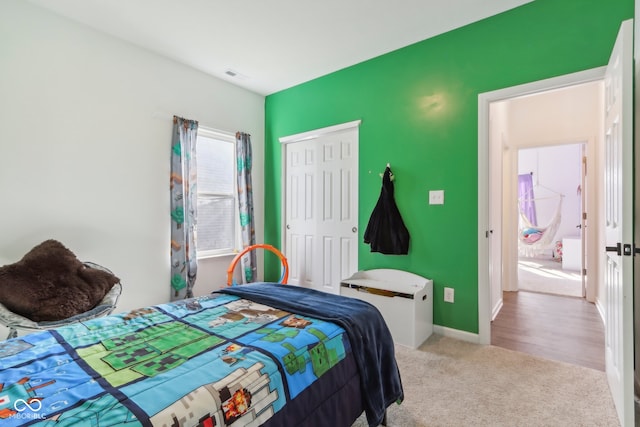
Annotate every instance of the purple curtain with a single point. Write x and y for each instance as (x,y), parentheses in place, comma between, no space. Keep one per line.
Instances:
(525,196)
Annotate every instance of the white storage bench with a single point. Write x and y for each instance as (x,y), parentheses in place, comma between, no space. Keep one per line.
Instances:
(404,299)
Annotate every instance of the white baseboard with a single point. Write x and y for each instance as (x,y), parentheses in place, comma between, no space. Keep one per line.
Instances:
(601,310)
(496,309)
(457,334)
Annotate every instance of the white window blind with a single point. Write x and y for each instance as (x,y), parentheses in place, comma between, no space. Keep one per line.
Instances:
(217,196)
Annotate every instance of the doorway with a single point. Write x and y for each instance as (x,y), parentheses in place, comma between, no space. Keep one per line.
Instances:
(552,219)
(540,136)
(519,117)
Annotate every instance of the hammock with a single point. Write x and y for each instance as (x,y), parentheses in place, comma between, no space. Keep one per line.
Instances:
(533,239)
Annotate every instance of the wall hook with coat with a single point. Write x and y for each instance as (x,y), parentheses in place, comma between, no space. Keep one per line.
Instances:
(386,232)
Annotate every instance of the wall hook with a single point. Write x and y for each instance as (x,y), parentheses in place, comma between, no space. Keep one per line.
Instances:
(392,177)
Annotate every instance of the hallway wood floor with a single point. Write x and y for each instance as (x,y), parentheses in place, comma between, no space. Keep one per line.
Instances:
(566,329)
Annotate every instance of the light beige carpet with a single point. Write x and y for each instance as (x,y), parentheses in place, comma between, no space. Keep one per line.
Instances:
(448,382)
(546,275)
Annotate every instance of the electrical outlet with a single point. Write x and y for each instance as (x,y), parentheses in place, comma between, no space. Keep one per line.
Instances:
(448,295)
(436,197)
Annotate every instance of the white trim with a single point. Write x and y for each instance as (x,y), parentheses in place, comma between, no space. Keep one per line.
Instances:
(283,199)
(318,132)
(497,309)
(217,255)
(456,333)
(532,88)
(601,310)
(484,101)
(216,134)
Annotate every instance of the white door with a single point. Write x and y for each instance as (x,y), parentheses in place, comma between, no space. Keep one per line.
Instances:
(321,207)
(618,203)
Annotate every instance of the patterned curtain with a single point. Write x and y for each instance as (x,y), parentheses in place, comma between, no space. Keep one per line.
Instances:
(245,199)
(184,202)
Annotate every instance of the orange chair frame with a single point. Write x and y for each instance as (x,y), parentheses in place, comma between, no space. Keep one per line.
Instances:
(237,258)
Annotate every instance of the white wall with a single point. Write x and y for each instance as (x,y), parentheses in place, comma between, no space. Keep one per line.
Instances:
(85,132)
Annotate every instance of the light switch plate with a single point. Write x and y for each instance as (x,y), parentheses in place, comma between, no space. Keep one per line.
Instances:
(436,197)
(448,295)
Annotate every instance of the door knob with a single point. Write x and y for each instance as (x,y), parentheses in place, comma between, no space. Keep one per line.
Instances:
(354,229)
(626,249)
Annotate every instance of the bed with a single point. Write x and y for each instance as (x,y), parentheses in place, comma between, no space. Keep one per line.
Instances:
(259,354)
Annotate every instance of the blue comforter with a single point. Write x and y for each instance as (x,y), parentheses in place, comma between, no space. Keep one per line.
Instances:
(367,331)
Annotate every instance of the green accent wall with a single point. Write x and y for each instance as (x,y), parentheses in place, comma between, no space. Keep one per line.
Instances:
(419,112)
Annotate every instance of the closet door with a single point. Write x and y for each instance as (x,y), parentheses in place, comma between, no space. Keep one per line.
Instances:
(321,208)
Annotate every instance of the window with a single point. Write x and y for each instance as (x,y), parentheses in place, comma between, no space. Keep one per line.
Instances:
(217,195)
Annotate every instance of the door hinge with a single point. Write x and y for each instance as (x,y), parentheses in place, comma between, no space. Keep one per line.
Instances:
(584,271)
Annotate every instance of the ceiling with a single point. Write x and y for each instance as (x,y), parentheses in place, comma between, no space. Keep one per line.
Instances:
(272,45)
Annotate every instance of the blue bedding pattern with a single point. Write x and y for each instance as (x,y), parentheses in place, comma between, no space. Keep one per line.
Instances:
(368,334)
(211,361)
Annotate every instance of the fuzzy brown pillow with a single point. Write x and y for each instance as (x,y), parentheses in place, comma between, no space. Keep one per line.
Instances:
(49,283)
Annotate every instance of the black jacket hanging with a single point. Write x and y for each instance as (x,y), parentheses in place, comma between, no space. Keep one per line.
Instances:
(386,232)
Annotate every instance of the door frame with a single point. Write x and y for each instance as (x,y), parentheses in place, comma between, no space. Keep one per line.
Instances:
(488,245)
